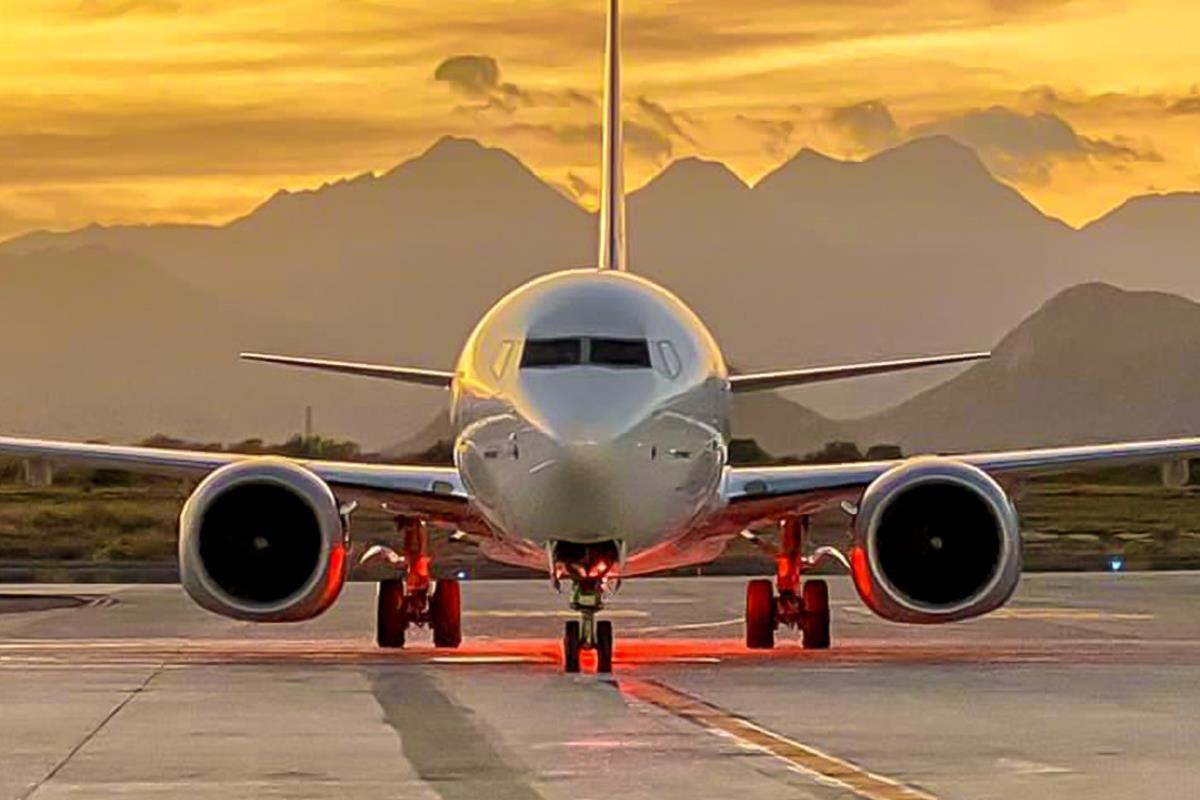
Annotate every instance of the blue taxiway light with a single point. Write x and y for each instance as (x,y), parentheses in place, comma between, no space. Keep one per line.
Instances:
(1116,564)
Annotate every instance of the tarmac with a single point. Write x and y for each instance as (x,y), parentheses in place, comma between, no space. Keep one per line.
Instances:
(1086,686)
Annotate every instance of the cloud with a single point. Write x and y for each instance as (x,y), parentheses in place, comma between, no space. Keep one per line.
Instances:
(869,125)
(580,187)
(478,78)
(1186,105)
(776,134)
(641,140)
(1024,147)
(111,9)
(1107,105)
(666,122)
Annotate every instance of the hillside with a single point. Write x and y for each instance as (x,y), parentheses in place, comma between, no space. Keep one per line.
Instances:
(915,250)
(1095,363)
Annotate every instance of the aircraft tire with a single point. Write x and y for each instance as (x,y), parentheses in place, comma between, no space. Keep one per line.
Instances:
(572,645)
(604,646)
(815,623)
(391,622)
(445,613)
(760,614)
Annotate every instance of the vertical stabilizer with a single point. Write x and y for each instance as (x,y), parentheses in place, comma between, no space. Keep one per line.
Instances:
(612,183)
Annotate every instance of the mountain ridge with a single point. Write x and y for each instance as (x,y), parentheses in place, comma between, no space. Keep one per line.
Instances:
(894,260)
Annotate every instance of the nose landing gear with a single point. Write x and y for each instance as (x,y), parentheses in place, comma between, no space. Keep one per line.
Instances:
(801,605)
(588,567)
(588,633)
(408,601)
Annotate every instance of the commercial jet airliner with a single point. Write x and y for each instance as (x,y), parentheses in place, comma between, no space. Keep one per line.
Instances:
(591,410)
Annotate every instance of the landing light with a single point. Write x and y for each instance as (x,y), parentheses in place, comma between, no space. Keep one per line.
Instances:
(1116,563)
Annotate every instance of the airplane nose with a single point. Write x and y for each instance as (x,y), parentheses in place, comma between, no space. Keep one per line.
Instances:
(583,411)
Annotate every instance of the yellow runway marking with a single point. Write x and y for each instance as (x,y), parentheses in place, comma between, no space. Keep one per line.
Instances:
(481,660)
(1038,614)
(820,766)
(1067,614)
(691,626)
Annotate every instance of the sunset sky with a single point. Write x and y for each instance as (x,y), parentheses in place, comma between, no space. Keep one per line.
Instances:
(197,110)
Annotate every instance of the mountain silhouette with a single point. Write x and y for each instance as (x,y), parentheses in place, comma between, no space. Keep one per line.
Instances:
(915,250)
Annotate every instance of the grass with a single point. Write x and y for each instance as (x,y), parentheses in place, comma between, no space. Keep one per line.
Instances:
(1065,525)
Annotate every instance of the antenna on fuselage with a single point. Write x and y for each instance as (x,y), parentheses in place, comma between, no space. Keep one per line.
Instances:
(612,182)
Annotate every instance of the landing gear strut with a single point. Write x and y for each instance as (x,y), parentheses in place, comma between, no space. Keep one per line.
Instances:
(408,601)
(587,566)
(802,605)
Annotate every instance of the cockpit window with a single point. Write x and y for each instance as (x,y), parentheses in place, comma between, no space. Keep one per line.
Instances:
(552,353)
(619,352)
(569,352)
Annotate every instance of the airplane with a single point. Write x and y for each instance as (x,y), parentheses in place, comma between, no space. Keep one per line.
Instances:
(591,409)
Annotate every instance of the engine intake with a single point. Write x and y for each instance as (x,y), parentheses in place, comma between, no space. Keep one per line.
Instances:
(263,540)
(936,540)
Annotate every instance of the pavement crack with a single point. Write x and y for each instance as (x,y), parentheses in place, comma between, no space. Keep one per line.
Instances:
(82,743)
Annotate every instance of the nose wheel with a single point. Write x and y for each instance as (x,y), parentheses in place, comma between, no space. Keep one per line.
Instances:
(587,632)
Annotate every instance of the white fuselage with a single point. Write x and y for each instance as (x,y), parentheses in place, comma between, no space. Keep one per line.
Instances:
(591,406)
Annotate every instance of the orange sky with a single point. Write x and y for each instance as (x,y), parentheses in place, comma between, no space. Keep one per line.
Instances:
(196,110)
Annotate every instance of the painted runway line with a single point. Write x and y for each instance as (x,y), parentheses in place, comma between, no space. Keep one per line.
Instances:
(806,759)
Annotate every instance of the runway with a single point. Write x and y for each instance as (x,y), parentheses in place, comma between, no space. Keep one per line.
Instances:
(1084,687)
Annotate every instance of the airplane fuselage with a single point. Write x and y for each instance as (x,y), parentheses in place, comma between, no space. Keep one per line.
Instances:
(591,406)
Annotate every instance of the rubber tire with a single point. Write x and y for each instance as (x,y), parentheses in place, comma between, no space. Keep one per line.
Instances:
(760,614)
(445,613)
(815,623)
(572,645)
(390,620)
(604,646)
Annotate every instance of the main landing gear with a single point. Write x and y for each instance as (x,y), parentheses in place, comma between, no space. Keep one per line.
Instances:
(802,605)
(587,566)
(408,601)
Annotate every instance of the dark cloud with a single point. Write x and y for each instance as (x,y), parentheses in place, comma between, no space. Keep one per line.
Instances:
(1110,104)
(1024,147)
(870,125)
(1186,105)
(110,9)
(641,140)
(666,122)
(478,78)
(776,134)
(581,187)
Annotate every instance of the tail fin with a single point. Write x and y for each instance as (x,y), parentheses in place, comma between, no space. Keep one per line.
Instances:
(612,184)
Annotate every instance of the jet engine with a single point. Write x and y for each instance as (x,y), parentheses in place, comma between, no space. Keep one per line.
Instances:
(263,540)
(935,540)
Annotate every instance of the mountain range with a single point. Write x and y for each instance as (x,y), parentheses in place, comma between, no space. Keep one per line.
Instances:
(119,332)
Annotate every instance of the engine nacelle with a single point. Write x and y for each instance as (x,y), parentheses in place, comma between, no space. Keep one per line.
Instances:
(935,540)
(263,540)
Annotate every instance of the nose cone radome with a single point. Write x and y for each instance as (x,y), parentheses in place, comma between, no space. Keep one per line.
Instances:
(584,410)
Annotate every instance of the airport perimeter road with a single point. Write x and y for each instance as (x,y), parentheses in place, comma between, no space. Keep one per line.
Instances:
(1085,687)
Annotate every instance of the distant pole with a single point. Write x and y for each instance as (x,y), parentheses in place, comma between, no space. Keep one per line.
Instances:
(308,423)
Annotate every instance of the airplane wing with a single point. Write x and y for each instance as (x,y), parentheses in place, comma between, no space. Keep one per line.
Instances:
(435,493)
(759,381)
(424,377)
(755,494)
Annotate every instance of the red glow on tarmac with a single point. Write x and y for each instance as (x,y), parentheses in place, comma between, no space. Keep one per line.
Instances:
(630,654)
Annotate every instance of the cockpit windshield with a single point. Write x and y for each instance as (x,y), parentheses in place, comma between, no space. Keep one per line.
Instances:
(581,350)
